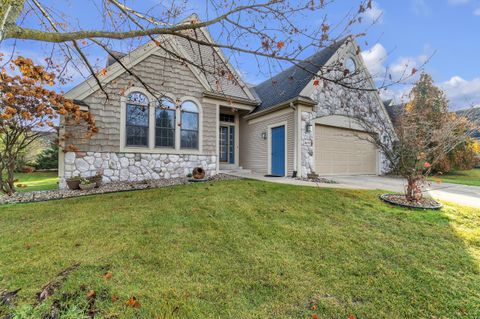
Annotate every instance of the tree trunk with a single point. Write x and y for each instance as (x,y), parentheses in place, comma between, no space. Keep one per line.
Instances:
(7,174)
(413,192)
(11,177)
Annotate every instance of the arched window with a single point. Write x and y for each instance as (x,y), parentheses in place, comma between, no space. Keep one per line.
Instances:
(189,128)
(165,123)
(350,65)
(137,119)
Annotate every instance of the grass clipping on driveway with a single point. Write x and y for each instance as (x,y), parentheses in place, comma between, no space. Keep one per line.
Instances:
(242,249)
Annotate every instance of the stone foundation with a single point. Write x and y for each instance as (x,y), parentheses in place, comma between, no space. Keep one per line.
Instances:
(134,167)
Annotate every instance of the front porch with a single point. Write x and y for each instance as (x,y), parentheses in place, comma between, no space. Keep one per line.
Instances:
(265,145)
(229,132)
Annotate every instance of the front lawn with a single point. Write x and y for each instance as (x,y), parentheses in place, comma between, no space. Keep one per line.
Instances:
(242,249)
(36,181)
(470,177)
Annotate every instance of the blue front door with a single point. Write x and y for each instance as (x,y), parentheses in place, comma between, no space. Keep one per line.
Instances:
(278,151)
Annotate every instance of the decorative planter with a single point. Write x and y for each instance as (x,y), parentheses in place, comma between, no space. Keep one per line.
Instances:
(198,173)
(399,200)
(97,179)
(73,184)
(87,187)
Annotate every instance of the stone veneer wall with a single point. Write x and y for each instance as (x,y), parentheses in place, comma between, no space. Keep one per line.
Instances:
(333,99)
(134,167)
(308,163)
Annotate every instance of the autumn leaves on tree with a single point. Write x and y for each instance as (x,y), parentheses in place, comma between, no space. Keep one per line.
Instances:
(27,109)
(425,132)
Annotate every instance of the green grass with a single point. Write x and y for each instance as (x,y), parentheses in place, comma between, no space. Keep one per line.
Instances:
(470,177)
(244,249)
(36,181)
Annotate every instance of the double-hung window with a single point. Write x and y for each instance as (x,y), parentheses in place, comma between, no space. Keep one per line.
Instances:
(137,120)
(165,123)
(189,125)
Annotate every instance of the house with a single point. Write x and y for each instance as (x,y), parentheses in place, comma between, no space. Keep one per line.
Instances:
(288,125)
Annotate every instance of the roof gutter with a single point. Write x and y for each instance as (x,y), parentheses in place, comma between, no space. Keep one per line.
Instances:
(228,98)
(299,100)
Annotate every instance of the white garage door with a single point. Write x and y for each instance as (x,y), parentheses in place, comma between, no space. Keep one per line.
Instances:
(340,151)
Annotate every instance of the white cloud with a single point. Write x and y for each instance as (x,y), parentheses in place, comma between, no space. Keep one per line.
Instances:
(374,59)
(375,14)
(477,12)
(462,93)
(400,70)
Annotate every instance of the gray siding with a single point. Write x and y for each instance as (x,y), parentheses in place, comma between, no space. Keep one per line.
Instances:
(163,76)
(254,149)
(218,75)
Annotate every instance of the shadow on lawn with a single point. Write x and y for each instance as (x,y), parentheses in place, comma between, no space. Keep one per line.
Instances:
(286,252)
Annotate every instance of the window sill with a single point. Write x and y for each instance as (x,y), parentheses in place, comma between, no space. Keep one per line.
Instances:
(157,150)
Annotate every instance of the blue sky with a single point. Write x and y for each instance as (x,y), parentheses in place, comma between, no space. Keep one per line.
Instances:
(412,30)
(408,33)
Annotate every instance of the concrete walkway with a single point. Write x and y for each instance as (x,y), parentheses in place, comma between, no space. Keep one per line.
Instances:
(455,193)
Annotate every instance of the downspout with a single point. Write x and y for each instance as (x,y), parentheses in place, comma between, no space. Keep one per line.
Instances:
(295,139)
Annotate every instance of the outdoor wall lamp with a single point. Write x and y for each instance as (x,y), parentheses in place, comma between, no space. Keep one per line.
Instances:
(308,128)
(264,135)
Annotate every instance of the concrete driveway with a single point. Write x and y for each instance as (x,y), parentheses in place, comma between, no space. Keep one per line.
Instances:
(455,193)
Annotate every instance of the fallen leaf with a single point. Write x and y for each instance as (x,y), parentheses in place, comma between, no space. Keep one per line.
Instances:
(314,316)
(132,302)
(314,307)
(114,298)
(91,294)
(316,82)
(108,275)
(352,317)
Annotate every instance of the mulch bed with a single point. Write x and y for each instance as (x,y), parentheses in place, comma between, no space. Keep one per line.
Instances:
(41,196)
(401,200)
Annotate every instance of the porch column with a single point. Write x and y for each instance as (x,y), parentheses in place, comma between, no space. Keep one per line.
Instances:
(217,138)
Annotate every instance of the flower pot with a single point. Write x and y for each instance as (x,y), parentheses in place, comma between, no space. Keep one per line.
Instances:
(73,184)
(87,187)
(97,179)
(198,173)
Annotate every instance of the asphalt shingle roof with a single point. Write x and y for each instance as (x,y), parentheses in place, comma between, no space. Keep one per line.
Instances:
(394,111)
(288,84)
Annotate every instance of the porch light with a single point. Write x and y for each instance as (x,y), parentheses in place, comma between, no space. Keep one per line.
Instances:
(308,128)
(264,135)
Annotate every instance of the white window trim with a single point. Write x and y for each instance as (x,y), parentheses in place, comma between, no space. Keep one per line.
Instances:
(151,132)
(236,125)
(269,147)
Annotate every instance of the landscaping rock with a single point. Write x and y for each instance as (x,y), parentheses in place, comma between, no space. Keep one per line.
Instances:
(317,179)
(113,187)
(401,200)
